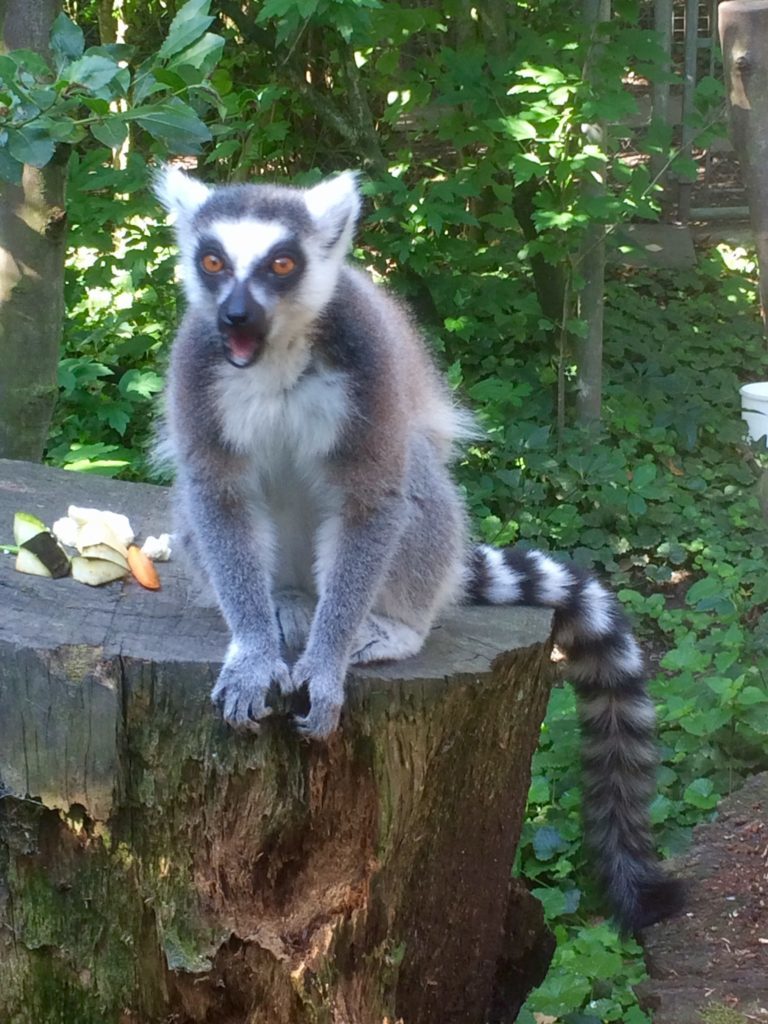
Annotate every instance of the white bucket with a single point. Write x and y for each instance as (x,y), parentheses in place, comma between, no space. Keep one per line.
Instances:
(754,409)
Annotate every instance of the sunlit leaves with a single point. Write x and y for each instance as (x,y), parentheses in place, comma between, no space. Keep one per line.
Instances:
(41,107)
(174,124)
(191,22)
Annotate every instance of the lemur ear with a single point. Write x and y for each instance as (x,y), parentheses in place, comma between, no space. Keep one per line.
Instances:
(335,206)
(179,193)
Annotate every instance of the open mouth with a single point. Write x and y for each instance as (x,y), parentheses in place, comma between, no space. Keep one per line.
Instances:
(242,347)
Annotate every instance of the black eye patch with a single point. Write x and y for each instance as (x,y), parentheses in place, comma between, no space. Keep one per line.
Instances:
(210,277)
(282,267)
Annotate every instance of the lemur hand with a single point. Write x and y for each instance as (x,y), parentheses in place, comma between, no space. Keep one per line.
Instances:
(244,683)
(325,682)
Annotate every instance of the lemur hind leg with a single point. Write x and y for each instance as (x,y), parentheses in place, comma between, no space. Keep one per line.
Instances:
(384,639)
(426,572)
(294,611)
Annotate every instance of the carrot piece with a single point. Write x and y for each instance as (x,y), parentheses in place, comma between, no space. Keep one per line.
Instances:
(143,568)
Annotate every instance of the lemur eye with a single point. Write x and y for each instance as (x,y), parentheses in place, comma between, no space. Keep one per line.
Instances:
(211,263)
(282,266)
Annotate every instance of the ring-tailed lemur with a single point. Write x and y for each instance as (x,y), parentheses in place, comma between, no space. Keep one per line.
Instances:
(311,436)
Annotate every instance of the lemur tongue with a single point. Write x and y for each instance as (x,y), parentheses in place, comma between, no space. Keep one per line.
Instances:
(242,348)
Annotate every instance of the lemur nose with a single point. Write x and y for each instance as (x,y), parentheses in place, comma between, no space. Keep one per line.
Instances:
(240,309)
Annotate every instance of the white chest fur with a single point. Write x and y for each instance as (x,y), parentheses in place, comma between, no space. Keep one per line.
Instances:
(286,433)
(274,425)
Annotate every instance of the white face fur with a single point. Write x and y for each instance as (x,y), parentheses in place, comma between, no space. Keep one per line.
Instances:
(245,241)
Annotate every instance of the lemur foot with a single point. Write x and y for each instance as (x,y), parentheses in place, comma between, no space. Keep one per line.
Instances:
(294,612)
(383,639)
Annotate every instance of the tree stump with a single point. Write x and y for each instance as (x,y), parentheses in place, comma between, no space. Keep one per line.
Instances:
(155,866)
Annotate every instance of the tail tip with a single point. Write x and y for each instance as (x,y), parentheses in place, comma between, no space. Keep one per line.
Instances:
(655,900)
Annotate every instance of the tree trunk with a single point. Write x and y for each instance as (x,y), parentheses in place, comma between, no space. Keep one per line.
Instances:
(32,249)
(107,22)
(743,26)
(589,392)
(662,23)
(156,867)
(690,70)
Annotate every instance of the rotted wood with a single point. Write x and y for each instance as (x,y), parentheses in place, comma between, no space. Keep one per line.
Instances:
(156,867)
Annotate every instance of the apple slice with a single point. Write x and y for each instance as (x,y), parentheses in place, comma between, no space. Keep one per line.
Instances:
(105,553)
(116,521)
(96,571)
(99,534)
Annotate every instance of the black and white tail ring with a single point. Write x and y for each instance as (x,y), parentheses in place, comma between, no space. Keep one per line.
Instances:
(606,668)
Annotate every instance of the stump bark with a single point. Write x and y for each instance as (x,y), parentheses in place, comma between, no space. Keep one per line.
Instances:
(154,866)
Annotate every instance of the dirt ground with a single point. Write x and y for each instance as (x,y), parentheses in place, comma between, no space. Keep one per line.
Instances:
(710,966)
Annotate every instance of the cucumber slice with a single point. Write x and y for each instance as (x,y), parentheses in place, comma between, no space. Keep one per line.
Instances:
(26,526)
(31,564)
(45,547)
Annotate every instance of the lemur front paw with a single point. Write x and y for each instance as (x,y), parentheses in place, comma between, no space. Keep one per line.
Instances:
(247,679)
(326,697)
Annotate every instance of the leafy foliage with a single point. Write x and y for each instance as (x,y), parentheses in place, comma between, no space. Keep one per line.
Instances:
(95,91)
(469,127)
(121,303)
(691,553)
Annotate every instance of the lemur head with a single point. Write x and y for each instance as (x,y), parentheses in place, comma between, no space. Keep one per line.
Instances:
(262,260)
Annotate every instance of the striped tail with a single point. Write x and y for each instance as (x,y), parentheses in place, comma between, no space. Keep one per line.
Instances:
(606,668)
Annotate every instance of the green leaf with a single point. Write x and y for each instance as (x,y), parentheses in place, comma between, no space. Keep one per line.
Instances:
(547,841)
(188,26)
(552,900)
(701,794)
(520,129)
(97,105)
(660,809)
(111,134)
(707,587)
(118,419)
(64,130)
(636,504)
(30,62)
(92,72)
(644,475)
(8,68)
(203,55)
(281,8)
(31,145)
(143,383)
(752,695)
(67,41)
(174,124)
(11,169)
(172,79)
(540,791)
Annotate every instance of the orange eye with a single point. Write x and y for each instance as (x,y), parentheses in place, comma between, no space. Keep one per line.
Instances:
(211,263)
(283,265)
